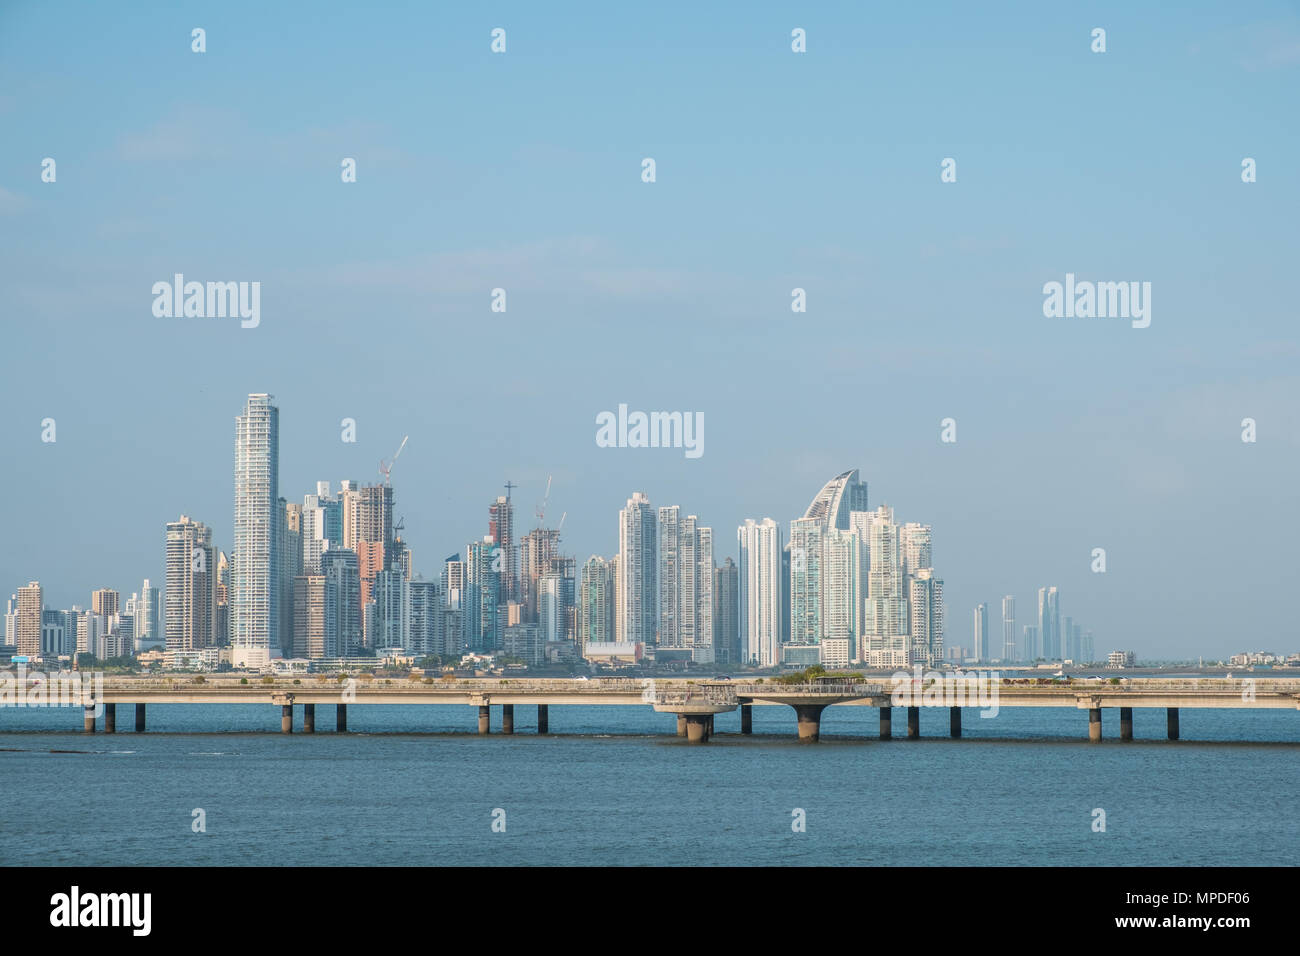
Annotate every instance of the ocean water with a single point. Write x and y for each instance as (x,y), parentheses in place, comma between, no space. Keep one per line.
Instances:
(615,786)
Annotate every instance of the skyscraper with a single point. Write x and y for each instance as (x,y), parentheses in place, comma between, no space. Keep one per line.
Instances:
(669,587)
(289,545)
(482,595)
(838,498)
(1049,624)
(148,617)
(843,587)
(27,619)
(426,618)
(596,604)
(700,640)
(637,568)
(105,602)
(685,584)
(1029,647)
(501,529)
(191,595)
(726,628)
(255,572)
(758,576)
(887,597)
(309,635)
(1009,629)
(536,551)
(805,581)
(343,630)
(981,632)
(926,612)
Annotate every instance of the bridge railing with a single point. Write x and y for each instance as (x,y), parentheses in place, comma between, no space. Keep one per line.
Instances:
(819,688)
(721,694)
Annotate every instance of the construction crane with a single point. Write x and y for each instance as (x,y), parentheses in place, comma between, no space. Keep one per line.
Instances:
(559,528)
(541,509)
(386,466)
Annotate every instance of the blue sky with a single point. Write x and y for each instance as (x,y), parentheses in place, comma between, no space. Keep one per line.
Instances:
(774,170)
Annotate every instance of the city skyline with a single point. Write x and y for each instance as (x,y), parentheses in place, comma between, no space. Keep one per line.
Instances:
(368,523)
(885,611)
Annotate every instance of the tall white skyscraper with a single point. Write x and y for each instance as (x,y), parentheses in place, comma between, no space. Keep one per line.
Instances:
(806,581)
(981,632)
(1049,623)
(925,592)
(702,598)
(1009,629)
(669,577)
(838,499)
(638,559)
(685,584)
(886,615)
(255,573)
(843,587)
(758,575)
(148,618)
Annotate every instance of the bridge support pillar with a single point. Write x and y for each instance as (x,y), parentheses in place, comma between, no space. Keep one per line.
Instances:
(1094,724)
(484,719)
(286,718)
(507,718)
(309,718)
(681,725)
(698,728)
(89,725)
(954,721)
(110,718)
(746,718)
(543,719)
(1126,723)
(1171,722)
(913,722)
(810,720)
(711,716)
(139,718)
(886,723)
(341,718)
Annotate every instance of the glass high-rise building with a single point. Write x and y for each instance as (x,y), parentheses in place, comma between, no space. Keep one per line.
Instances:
(726,632)
(805,581)
(981,632)
(255,573)
(596,603)
(839,498)
(759,587)
(1009,629)
(1049,623)
(638,559)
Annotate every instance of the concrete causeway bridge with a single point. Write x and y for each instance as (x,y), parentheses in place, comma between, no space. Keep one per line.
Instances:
(696,702)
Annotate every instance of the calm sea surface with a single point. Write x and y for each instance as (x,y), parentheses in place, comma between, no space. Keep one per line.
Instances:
(614,785)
